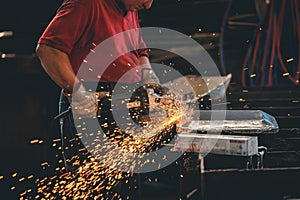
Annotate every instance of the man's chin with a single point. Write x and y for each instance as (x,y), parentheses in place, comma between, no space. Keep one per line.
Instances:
(134,9)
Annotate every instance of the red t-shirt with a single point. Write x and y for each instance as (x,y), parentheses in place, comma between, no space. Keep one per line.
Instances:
(81,25)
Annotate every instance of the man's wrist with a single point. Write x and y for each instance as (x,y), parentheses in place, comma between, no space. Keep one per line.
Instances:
(76,88)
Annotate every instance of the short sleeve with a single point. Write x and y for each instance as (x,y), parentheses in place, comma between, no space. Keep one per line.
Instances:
(67,26)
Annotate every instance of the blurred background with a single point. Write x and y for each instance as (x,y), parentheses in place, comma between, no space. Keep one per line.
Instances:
(240,35)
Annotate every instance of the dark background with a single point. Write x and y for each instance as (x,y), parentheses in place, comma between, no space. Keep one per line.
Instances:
(29,97)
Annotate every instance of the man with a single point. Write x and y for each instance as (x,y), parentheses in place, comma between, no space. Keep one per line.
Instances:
(77,28)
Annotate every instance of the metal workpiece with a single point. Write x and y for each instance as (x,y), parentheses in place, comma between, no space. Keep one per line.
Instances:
(192,87)
(244,122)
(217,144)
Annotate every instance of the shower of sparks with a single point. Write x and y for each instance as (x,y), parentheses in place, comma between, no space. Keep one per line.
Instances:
(112,161)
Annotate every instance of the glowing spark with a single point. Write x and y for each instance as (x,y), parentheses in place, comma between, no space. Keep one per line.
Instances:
(242,100)
(21,179)
(286,74)
(45,164)
(35,141)
(30,177)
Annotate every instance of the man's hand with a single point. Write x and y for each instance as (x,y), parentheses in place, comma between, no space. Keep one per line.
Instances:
(85,103)
(149,77)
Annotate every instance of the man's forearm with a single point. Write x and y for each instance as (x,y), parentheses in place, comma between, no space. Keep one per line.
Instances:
(57,64)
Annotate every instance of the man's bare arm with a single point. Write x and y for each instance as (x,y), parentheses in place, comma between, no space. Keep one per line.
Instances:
(57,64)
